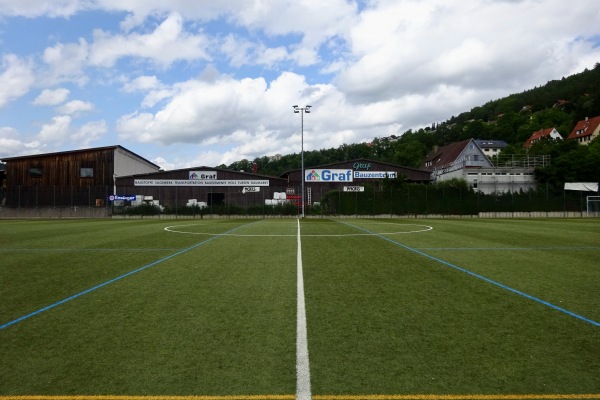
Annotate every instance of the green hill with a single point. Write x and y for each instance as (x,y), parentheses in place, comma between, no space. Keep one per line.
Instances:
(559,104)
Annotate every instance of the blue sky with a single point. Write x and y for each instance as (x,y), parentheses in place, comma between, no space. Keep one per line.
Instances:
(193,82)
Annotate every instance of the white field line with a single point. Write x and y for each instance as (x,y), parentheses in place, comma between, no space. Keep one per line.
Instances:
(302,366)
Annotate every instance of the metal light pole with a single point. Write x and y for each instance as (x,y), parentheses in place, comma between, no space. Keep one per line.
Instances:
(302,110)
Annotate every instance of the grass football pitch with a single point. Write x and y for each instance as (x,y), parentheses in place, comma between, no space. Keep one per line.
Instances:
(212,309)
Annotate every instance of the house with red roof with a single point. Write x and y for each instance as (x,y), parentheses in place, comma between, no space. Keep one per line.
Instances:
(549,133)
(586,130)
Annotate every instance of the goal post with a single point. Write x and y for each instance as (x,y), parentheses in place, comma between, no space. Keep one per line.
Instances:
(593,206)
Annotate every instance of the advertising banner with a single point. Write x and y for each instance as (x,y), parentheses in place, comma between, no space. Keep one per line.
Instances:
(117,197)
(203,175)
(185,182)
(354,188)
(375,174)
(328,175)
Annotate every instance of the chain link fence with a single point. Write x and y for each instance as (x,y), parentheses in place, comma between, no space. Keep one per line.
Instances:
(404,200)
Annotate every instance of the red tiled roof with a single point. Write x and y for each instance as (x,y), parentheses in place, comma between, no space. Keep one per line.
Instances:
(586,127)
(537,135)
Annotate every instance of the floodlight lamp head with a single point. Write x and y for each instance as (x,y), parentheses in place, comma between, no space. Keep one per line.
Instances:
(307,109)
(296,109)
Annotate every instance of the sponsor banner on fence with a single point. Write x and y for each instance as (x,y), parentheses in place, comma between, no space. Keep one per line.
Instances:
(375,174)
(354,188)
(117,197)
(186,182)
(203,175)
(328,175)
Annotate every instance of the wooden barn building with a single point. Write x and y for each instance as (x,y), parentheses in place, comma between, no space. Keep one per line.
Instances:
(70,178)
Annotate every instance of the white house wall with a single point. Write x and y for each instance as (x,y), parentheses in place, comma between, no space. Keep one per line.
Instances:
(500,180)
(494,180)
(129,164)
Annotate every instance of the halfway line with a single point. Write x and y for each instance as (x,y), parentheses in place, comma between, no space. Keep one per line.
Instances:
(530,297)
(41,310)
(302,366)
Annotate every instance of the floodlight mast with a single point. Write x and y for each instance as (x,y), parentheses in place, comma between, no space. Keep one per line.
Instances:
(302,110)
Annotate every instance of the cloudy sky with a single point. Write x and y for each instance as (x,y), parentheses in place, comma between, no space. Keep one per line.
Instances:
(202,82)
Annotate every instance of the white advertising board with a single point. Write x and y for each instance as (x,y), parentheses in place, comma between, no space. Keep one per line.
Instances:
(375,174)
(328,175)
(202,175)
(354,188)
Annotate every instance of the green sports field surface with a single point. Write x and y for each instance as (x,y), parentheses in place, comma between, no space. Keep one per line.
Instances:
(207,309)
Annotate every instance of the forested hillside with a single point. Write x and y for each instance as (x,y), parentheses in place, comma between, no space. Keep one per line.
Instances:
(559,104)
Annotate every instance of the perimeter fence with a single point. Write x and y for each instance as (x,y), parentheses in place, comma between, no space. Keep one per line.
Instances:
(403,200)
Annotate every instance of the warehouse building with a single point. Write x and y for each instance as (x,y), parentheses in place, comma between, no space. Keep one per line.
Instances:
(206,187)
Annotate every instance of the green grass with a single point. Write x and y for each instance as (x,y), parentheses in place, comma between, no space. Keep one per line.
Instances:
(387,312)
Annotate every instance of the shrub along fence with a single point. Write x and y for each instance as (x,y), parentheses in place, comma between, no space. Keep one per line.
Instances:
(447,199)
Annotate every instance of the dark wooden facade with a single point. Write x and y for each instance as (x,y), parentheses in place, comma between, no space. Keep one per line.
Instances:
(79,169)
(179,195)
(319,189)
(88,177)
(70,178)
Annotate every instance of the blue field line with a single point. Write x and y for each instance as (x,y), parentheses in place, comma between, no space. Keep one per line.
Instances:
(553,306)
(84,250)
(510,248)
(41,310)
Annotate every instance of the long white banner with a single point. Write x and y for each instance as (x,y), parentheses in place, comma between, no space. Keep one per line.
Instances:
(186,182)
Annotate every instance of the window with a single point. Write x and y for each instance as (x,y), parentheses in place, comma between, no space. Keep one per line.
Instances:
(86,172)
(36,172)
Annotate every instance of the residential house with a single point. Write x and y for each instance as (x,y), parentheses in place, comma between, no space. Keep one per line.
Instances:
(586,130)
(466,160)
(549,133)
(491,148)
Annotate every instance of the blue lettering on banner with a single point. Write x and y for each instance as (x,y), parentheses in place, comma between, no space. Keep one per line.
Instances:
(328,175)
(359,165)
